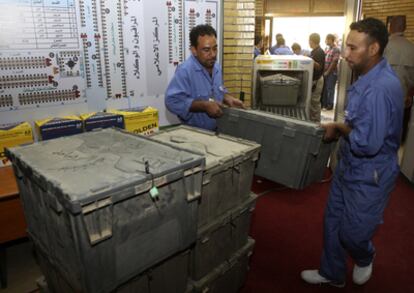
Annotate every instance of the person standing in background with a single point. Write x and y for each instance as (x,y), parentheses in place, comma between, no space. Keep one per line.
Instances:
(297,50)
(274,47)
(281,48)
(330,74)
(318,56)
(258,46)
(367,165)
(400,55)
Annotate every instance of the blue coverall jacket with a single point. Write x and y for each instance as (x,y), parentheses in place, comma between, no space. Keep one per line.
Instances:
(193,82)
(366,172)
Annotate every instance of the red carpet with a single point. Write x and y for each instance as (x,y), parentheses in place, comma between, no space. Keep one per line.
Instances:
(287,227)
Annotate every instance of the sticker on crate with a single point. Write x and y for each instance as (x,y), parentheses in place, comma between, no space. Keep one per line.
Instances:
(143,120)
(11,135)
(101,120)
(56,127)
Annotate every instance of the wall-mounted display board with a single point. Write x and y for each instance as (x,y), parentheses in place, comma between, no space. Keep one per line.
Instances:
(61,57)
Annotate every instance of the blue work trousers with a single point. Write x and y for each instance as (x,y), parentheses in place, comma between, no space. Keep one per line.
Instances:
(354,211)
(328,93)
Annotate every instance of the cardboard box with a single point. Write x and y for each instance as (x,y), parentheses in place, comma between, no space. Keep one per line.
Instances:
(143,120)
(11,135)
(56,127)
(101,120)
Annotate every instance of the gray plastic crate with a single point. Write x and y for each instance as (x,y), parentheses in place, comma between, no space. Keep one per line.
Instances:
(221,239)
(169,276)
(228,277)
(229,168)
(51,281)
(87,203)
(279,90)
(293,152)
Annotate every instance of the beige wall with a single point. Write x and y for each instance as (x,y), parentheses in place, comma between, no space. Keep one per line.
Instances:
(382,8)
(304,7)
(238,42)
(259,10)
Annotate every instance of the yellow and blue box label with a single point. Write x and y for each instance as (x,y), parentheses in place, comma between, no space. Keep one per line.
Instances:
(102,120)
(56,127)
(11,135)
(143,120)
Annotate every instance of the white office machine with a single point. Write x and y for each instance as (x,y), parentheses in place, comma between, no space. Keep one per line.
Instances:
(282,85)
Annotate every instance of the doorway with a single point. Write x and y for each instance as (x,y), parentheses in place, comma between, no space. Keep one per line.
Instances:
(298,29)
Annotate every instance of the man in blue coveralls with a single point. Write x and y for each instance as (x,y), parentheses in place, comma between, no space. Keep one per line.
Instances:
(196,93)
(368,165)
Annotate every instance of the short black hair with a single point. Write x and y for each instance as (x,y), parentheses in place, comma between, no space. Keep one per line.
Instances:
(280,41)
(316,38)
(375,29)
(201,30)
(331,37)
(296,46)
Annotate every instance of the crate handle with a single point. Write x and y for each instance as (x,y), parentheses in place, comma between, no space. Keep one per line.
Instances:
(233,117)
(97,218)
(289,132)
(192,183)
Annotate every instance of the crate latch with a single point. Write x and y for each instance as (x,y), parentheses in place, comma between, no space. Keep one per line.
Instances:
(97,217)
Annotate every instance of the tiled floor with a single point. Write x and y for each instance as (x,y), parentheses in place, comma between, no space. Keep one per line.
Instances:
(22,269)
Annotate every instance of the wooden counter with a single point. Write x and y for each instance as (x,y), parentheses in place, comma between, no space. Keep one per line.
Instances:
(12,222)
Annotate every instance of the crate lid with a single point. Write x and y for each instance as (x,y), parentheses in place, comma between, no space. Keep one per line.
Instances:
(302,126)
(93,165)
(217,148)
(98,115)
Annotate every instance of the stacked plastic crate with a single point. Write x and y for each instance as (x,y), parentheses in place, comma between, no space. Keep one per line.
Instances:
(218,260)
(104,207)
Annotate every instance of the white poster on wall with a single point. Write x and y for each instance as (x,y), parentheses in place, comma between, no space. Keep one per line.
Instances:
(71,57)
